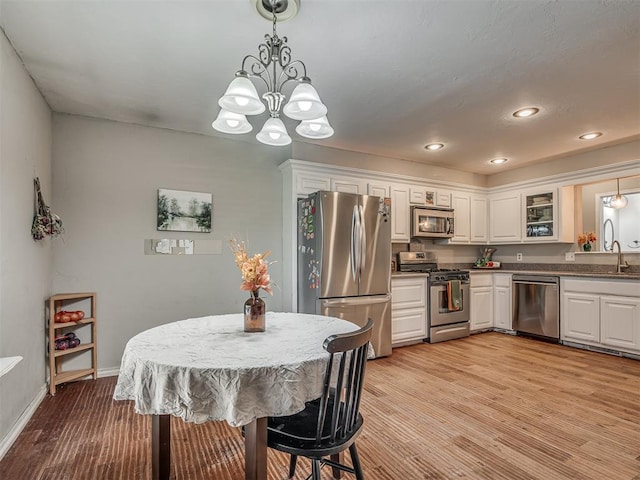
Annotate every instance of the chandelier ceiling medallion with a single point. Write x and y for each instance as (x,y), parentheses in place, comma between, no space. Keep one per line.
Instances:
(275,68)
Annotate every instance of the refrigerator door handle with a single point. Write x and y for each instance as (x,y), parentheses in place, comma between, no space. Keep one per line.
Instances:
(354,244)
(363,239)
(369,300)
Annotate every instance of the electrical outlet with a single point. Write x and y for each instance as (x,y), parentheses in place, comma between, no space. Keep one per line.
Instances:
(518,257)
(570,257)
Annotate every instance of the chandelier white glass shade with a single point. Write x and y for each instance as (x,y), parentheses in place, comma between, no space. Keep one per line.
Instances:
(318,128)
(275,68)
(229,122)
(274,133)
(618,201)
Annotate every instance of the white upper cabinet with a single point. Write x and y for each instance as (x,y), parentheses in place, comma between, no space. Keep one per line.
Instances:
(470,213)
(418,195)
(443,199)
(505,225)
(307,183)
(548,215)
(461,217)
(349,185)
(479,219)
(400,214)
(378,189)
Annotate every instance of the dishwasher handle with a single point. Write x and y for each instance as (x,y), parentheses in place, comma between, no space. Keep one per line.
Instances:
(535,279)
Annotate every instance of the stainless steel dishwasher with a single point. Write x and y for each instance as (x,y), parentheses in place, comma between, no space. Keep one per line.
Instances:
(536,305)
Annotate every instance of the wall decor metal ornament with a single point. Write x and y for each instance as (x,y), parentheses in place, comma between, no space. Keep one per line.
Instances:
(45,222)
(183,211)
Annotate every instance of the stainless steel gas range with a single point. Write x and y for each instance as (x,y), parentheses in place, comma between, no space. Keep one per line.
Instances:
(448,299)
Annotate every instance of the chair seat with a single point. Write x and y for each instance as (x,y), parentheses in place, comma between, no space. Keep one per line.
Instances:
(296,433)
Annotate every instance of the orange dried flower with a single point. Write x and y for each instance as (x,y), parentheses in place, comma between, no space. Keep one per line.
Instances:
(253,269)
(589,237)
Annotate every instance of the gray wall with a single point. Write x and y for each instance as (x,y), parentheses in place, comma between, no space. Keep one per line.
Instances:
(106,175)
(25,265)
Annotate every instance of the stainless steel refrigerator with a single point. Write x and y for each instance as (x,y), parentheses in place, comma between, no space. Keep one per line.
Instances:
(344,260)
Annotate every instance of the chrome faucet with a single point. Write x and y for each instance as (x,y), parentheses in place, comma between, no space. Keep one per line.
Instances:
(620,266)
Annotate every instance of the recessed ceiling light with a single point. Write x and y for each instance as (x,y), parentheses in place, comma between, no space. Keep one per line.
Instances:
(498,161)
(434,146)
(590,136)
(526,112)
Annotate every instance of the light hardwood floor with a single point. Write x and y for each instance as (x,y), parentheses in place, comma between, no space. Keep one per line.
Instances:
(491,406)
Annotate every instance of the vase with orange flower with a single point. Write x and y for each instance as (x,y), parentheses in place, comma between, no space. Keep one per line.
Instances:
(255,276)
(585,241)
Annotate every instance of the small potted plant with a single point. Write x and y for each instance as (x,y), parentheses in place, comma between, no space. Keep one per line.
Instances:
(585,240)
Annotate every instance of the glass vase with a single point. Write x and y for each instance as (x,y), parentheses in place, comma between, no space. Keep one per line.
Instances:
(586,247)
(254,313)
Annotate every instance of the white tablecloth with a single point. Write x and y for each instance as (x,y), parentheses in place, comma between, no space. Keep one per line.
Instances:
(208,368)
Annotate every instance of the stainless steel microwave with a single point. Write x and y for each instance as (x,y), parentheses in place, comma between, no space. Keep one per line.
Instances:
(431,222)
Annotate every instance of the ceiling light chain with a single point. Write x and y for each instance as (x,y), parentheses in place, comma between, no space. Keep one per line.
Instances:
(241,96)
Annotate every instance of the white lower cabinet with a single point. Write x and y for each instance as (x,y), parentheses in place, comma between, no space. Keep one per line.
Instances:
(620,322)
(502,309)
(408,310)
(601,313)
(580,317)
(481,305)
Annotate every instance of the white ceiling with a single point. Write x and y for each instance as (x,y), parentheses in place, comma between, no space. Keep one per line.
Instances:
(395,75)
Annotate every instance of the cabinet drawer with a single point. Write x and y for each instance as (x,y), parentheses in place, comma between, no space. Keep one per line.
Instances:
(408,293)
(409,324)
(417,195)
(484,279)
(502,279)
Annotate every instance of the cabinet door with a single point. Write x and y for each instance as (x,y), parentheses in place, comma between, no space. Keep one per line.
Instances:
(505,223)
(481,308)
(308,183)
(540,212)
(408,309)
(400,221)
(378,190)
(417,195)
(502,307)
(580,317)
(478,219)
(408,325)
(349,185)
(620,322)
(408,293)
(443,199)
(461,218)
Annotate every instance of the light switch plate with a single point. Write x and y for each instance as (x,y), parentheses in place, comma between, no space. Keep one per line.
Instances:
(570,257)
(518,257)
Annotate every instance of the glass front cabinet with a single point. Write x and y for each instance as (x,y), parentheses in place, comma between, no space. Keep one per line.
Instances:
(540,215)
(548,215)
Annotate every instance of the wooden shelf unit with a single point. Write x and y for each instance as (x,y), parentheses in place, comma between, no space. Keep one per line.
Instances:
(60,302)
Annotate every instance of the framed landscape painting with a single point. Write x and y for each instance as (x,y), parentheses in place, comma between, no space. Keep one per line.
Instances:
(182,211)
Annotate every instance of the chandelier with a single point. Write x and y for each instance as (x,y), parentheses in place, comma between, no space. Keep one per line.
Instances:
(275,68)
(616,201)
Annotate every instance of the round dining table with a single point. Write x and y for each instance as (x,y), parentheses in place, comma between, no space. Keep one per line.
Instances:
(205,369)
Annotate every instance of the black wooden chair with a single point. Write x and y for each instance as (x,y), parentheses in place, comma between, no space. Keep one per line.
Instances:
(330,424)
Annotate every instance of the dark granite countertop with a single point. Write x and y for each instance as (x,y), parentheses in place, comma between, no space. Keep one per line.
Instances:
(559,269)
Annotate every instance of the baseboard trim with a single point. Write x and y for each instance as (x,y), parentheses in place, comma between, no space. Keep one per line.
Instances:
(108,372)
(16,430)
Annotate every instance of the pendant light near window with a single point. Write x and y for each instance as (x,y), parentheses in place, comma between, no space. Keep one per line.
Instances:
(241,97)
(619,201)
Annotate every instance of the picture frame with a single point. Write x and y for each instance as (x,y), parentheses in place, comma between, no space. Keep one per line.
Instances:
(184,211)
(430,198)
